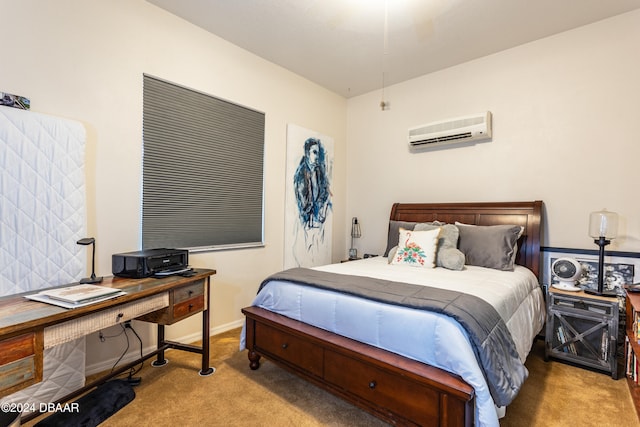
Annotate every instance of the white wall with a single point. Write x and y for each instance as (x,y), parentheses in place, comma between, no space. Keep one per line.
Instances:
(566,116)
(84,60)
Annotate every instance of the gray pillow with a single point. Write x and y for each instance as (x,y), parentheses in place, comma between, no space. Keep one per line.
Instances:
(491,246)
(447,254)
(394,230)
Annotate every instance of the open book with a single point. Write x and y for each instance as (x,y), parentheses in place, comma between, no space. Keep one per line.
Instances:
(76,295)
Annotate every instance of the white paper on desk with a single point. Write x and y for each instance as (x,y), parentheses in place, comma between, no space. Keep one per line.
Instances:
(79,294)
(47,299)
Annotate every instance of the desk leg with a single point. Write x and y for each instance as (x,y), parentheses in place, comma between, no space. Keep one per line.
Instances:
(160,360)
(206,369)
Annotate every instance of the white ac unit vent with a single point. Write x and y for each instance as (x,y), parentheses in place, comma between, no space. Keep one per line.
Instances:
(476,127)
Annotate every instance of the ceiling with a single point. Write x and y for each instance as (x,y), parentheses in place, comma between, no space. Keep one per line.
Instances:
(345,46)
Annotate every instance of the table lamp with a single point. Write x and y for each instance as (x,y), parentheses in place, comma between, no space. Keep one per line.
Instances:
(355,234)
(93,279)
(603,226)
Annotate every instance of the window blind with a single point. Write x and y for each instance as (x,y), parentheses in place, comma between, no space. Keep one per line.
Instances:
(202,185)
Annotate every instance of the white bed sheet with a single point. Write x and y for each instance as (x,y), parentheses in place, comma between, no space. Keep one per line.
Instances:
(429,337)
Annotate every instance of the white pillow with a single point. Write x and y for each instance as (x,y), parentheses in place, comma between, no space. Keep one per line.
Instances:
(417,248)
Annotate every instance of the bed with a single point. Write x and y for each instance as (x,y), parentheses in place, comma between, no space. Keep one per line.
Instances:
(405,343)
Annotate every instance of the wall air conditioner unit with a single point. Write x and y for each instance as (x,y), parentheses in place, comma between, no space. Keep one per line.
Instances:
(476,127)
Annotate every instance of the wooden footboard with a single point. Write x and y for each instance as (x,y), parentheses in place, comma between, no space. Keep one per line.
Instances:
(396,389)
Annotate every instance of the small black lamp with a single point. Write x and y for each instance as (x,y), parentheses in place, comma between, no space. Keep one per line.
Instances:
(603,226)
(93,279)
(355,234)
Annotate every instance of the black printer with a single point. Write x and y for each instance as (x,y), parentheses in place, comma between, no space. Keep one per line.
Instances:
(150,262)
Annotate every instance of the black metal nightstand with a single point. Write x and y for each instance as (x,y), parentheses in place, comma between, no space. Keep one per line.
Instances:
(582,329)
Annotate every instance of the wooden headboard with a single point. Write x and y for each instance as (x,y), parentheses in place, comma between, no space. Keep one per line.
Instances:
(526,214)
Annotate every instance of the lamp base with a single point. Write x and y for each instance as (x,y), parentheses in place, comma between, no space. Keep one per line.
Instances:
(601,294)
(87,280)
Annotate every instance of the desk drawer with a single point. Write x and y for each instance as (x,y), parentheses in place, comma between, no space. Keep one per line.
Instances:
(393,391)
(183,302)
(188,292)
(188,307)
(20,362)
(289,348)
(67,331)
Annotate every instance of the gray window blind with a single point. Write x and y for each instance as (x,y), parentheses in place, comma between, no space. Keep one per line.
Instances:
(202,185)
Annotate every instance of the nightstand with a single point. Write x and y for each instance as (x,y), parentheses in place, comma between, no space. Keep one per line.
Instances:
(582,329)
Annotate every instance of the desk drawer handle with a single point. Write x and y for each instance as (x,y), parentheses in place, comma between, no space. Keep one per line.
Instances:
(284,346)
(190,293)
(190,307)
(373,384)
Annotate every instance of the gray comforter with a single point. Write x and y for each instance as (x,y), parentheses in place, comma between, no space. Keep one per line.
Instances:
(491,341)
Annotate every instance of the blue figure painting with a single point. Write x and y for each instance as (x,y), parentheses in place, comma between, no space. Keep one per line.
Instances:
(311,185)
(309,201)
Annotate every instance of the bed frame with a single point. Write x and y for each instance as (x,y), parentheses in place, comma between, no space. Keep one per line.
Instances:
(396,389)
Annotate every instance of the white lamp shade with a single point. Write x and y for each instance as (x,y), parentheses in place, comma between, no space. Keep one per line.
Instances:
(603,224)
(355,228)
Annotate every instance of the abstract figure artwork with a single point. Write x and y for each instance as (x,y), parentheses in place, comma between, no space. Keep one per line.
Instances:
(308,211)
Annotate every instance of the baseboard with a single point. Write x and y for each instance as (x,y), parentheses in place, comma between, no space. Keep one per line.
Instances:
(133,354)
(229,326)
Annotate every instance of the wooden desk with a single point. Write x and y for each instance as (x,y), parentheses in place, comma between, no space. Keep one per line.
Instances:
(28,327)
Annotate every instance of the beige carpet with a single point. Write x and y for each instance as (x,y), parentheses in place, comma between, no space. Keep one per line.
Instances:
(175,395)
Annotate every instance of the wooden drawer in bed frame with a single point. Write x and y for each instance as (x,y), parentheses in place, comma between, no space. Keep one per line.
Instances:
(396,389)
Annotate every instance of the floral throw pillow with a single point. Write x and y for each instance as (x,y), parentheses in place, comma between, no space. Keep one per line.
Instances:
(417,248)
